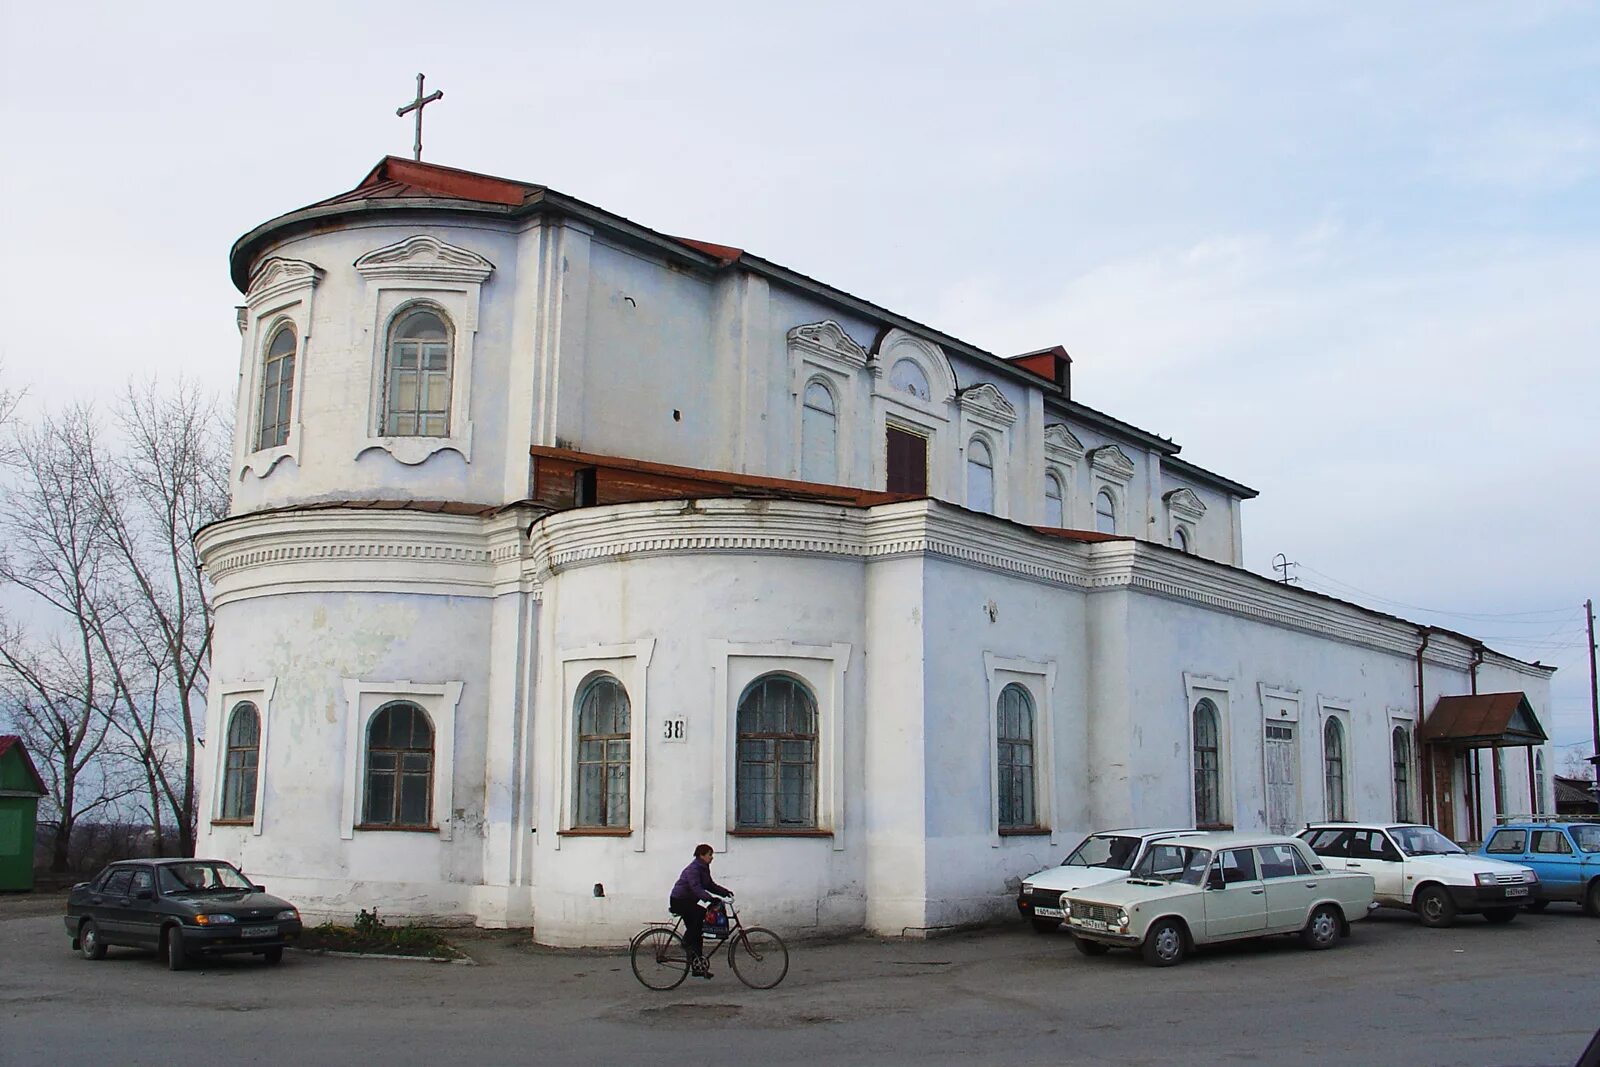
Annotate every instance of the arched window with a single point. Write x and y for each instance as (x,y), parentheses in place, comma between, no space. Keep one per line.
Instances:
(1401,743)
(1105,512)
(417,376)
(399,767)
(603,754)
(1014,733)
(1207,765)
(277,388)
(240,765)
(907,377)
(1333,768)
(777,755)
(819,436)
(1538,783)
(980,476)
(1055,509)
(1180,539)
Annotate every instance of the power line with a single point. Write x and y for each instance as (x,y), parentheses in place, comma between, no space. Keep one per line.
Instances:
(1561,612)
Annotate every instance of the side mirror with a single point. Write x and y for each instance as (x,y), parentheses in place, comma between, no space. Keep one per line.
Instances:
(258,889)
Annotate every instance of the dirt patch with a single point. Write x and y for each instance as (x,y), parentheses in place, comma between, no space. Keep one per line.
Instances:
(31,905)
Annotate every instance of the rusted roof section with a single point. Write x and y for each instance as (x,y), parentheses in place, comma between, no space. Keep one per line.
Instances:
(1574,796)
(1483,720)
(11,742)
(726,253)
(395,178)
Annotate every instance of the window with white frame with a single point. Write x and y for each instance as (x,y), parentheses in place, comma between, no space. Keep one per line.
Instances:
(241,763)
(1333,769)
(980,476)
(776,755)
(1400,744)
(1207,764)
(1538,783)
(1055,510)
(417,374)
(604,755)
(277,388)
(1015,730)
(1180,539)
(1105,512)
(907,376)
(819,435)
(398,790)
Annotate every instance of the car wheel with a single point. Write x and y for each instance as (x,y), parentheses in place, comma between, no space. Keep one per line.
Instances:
(1501,916)
(1164,944)
(173,951)
(1434,907)
(1045,926)
(1322,929)
(89,942)
(273,955)
(1537,905)
(1591,899)
(1091,948)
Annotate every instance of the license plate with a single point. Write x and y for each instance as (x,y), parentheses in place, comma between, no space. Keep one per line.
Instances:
(1047,913)
(1517,891)
(1092,924)
(259,931)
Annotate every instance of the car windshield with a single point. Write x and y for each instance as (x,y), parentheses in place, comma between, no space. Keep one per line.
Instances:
(1423,841)
(1105,850)
(202,878)
(1174,863)
(1587,837)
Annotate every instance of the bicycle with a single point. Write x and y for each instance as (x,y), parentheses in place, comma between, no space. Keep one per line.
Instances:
(660,961)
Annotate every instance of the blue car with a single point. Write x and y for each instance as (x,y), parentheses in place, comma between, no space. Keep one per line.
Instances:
(1565,854)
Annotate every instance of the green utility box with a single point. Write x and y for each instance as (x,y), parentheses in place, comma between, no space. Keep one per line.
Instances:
(20,790)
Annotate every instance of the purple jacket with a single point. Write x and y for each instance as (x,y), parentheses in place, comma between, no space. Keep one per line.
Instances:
(695,882)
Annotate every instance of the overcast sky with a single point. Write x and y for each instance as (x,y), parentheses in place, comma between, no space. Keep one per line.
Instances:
(1348,255)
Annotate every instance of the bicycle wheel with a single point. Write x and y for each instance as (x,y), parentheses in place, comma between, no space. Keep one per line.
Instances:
(659,959)
(758,957)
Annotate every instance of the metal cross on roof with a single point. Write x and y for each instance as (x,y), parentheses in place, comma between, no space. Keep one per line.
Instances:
(417,105)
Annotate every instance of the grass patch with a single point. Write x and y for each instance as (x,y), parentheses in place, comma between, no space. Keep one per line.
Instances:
(370,934)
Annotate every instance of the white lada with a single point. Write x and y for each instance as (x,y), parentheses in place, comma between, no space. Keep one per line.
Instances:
(1212,887)
(1101,857)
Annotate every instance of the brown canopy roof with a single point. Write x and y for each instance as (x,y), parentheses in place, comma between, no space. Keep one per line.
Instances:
(1483,720)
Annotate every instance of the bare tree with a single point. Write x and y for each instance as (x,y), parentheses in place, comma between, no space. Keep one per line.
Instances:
(1576,765)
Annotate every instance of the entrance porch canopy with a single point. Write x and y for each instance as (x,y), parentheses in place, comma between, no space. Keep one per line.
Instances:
(1483,720)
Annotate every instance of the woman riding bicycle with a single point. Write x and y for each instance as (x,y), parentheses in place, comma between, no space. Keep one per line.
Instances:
(693,886)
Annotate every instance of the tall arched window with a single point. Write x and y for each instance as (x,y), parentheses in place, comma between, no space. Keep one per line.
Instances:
(776,785)
(1105,512)
(1180,539)
(417,376)
(1538,783)
(1207,765)
(1333,768)
(1401,745)
(277,388)
(1014,734)
(980,476)
(1055,509)
(819,435)
(603,754)
(242,762)
(907,377)
(399,786)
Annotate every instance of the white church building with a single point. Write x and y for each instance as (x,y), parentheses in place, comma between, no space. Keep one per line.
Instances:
(559,545)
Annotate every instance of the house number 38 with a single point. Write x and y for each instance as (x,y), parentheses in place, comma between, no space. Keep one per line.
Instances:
(674,730)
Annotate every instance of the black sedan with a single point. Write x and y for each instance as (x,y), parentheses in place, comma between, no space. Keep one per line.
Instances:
(183,908)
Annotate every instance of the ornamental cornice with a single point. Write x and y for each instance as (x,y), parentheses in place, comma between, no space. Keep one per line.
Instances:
(1112,461)
(424,258)
(1185,504)
(1060,440)
(828,340)
(278,276)
(985,402)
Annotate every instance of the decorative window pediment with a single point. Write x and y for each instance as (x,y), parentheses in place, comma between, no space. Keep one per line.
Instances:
(987,404)
(827,342)
(1112,462)
(898,344)
(277,304)
(1058,439)
(424,258)
(1184,504)
(278,276)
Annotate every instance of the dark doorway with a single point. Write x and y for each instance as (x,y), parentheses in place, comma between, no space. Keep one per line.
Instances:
(908,462)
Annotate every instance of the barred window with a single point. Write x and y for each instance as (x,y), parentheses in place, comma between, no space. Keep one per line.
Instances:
(417,376)
(603,754)
(399,786)
(1402,775)
(1014,732)
(277,389)
(777,755)
(1333,768)
(1207,765)
(240,765)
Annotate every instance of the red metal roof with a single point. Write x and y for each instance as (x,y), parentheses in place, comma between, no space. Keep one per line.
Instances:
(12,741)
(395,178)
(1483,720)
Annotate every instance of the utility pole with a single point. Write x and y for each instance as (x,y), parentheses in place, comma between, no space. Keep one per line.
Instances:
(1594,699)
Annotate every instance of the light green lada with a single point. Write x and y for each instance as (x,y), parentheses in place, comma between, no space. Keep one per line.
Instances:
(1217,887)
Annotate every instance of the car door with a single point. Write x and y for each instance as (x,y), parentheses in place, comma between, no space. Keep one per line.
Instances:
(1290,884)
(141,914)
(1235,899)
(109,906)
(1369,851)
(1330,844)
(1559,866)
